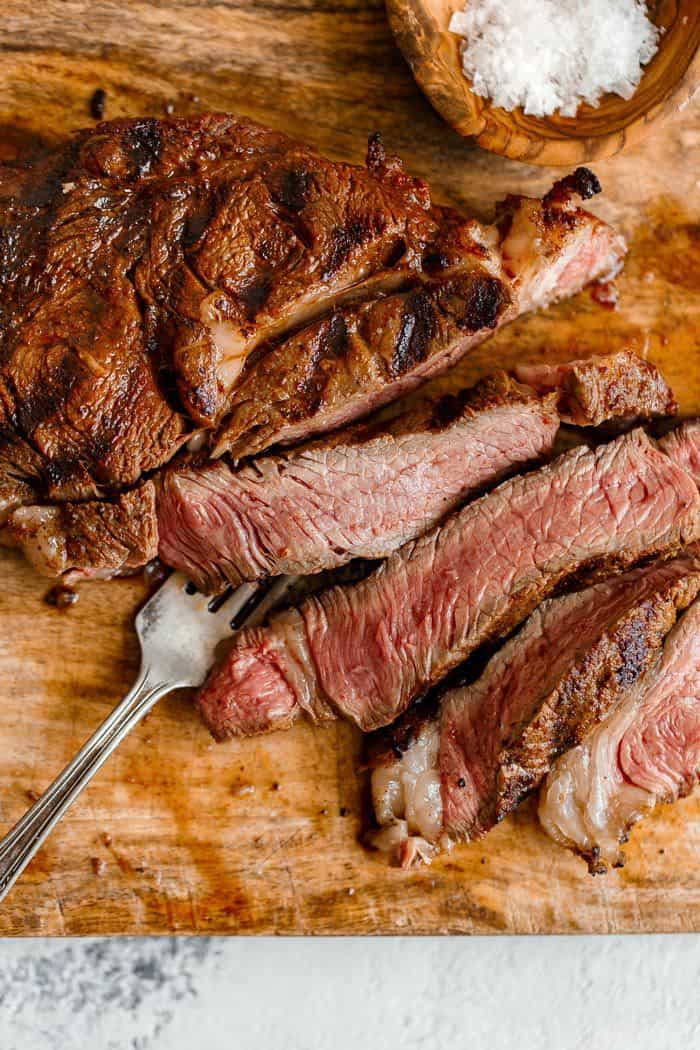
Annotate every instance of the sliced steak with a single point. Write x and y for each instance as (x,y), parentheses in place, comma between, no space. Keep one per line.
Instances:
(365,652)
(95,539)
(366,490)
(490,743)
(363,492)
(647,751)
(603,388)
(471,279)
(683,446)
(159,275)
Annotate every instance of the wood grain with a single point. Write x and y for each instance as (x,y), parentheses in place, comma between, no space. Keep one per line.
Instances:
(180,834)
(669,81)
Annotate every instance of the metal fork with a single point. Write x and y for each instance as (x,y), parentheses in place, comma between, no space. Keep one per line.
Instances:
(179,630)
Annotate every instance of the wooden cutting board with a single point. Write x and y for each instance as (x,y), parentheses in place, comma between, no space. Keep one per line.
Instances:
(178,833)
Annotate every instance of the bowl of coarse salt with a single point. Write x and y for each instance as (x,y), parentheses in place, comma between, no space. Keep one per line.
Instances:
(552,81)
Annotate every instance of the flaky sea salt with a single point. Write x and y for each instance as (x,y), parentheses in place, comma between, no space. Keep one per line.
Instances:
(548,55)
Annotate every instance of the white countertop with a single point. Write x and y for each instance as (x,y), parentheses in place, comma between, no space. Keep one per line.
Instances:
(378,994)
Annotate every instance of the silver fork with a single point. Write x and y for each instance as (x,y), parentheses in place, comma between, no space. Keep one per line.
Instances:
(179,630)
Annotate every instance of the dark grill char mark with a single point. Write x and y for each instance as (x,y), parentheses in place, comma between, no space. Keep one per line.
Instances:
(487,296)
(61,470)
(343,240)
(64,374)
(144,142)
(334,338)
(294,191)
(197,221)
(255,296)
(158,253)
(331,343)
(582,182)
(417,329)
(435,260)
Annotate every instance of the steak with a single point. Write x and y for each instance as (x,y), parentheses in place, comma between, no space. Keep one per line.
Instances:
(683,446)
(647,751)
(91,540)
(598,389)
(366,490)
(493,741)
(162,280)
(361,492)
(365,652)
(464,282)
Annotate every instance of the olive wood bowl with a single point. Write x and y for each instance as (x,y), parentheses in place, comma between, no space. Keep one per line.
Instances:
(668,85)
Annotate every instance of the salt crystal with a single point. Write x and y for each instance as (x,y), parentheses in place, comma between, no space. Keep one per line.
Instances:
(548,55)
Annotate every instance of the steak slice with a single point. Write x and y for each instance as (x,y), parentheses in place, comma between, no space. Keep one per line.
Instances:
(365,491)
(490,743)
(598,389)
(683,446)
(647,751)
(365,652)
(362,492)
(90,540)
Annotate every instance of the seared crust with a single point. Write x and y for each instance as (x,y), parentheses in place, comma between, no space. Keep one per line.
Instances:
(93,539)
(157,276)
(596,681)
(120,250)
(597,389)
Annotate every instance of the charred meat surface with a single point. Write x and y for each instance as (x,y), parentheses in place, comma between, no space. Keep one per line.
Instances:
(159,277)
(92,540)
(367,489)
(493,741)
(469,280)
(365,652)
(598,389)
(647,751)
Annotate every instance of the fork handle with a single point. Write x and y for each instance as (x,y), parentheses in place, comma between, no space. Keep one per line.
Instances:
(21,843)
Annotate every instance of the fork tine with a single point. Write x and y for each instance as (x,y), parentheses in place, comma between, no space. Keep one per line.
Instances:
(272,595)
(218,600)
(248,604)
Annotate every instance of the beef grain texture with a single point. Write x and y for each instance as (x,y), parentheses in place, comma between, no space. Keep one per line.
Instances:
(365,652)
(368,488)
(362,492)
(487,744)
(647,751)
(161,277)
(548,687)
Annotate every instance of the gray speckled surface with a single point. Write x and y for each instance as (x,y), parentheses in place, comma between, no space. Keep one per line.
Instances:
(500,993)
